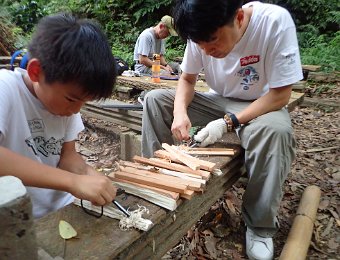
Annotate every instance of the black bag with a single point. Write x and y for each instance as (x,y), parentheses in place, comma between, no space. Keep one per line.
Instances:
(121,65)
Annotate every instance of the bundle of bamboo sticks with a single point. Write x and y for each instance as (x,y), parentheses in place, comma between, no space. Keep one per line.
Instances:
(171,175)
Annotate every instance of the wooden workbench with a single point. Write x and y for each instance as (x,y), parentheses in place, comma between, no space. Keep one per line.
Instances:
(102,239)
(144,83)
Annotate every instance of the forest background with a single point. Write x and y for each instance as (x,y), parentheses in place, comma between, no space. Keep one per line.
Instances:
(317,23)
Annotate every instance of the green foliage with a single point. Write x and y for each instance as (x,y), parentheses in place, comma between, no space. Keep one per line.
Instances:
(26,14)
(317,23)
(12,37)
(323,50)
(322,14)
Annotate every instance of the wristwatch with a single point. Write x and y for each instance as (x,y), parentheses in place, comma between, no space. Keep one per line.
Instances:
(231,121)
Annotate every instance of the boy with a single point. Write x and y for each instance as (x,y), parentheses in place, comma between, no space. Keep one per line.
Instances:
(70,62)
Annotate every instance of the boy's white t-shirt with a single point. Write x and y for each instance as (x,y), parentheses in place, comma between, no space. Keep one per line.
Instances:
(27,128)
(267,56)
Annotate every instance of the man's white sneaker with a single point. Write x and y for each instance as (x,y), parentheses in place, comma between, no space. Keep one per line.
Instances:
(259,248)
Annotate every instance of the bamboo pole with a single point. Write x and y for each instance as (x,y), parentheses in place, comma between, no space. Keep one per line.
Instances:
(299,237)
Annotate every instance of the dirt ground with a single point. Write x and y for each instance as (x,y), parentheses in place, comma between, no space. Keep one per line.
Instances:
(220,234)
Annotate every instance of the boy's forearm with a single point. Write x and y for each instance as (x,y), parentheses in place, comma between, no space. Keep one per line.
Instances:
(73,162)
(33,173)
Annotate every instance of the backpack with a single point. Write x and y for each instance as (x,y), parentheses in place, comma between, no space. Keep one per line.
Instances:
(121,65)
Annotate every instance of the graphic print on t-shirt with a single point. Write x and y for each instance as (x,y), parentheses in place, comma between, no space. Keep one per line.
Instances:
(39,144)
(249,75)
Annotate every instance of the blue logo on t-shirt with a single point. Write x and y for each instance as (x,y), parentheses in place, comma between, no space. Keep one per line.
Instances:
(249,75)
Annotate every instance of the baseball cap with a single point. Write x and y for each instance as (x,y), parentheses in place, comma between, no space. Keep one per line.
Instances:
(169,22)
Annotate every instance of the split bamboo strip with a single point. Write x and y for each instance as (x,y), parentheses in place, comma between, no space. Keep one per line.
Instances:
(180,188)
(192,185)
(183,158)
(171,166)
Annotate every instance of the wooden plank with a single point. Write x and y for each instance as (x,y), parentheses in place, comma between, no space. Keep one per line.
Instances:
(157,196)
(191,184)
(205,165)
(181,157)
(171,186)
(133,119)
(210,153)
(171,166)
(311,67)
(170,194)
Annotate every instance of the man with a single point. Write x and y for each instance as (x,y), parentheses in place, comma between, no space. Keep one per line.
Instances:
(152,41)
(250,58)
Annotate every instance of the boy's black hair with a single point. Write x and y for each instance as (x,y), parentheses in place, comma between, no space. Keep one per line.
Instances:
(72,50)
(198,20)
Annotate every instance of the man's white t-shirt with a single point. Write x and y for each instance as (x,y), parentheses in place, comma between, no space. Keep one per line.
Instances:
(147,44)
(267,56)
(27,128)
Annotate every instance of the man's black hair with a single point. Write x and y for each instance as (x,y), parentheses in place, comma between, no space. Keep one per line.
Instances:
(72,50)
(198,20)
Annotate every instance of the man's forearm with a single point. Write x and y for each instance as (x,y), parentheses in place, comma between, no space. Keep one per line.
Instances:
(185,92)
(274,100)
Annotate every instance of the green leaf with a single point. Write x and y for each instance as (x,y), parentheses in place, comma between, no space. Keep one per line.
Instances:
(66,231)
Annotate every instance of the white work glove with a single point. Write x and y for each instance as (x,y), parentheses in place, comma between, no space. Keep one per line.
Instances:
(211,133)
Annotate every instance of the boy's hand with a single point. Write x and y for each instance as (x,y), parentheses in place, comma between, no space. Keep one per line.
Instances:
(97,189)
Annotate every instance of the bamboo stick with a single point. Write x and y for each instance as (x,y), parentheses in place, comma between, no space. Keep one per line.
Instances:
(299,237)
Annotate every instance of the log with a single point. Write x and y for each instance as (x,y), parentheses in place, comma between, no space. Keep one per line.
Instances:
(17,239)
(299,237)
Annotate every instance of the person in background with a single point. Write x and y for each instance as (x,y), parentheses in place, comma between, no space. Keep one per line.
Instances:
(250,56)
(152,41)
(70,62)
